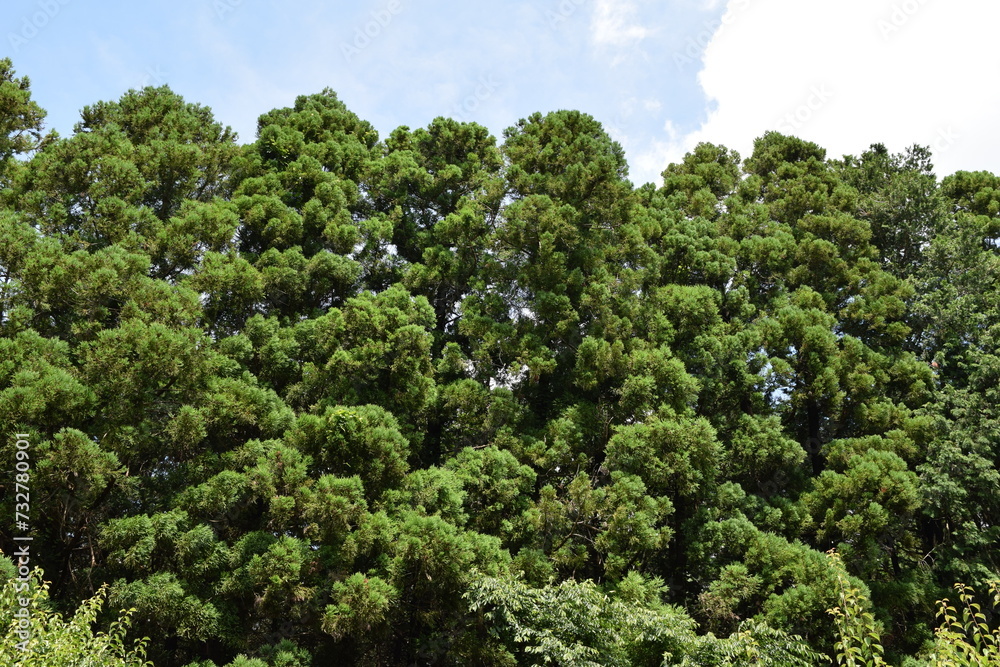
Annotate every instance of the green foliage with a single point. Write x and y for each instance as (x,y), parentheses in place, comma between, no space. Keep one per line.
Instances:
(965,638)
(20,117)
(51,640)
(756,643)
(575,623)
(319,398)
(859,634)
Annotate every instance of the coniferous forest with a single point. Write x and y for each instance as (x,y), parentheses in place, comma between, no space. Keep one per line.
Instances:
(443,398)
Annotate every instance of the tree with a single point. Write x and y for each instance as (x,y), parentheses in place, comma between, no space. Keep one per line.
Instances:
(20,117)
(320,398)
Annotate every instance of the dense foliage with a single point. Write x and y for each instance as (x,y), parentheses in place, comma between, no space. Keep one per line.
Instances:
(437,399)
(52,641)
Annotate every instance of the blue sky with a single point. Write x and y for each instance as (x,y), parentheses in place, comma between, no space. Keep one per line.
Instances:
(660,75)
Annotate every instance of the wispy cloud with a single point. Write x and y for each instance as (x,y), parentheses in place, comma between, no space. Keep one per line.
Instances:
(613,24)
(650,156)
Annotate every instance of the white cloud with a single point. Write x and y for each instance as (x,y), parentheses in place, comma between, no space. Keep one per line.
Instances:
(613,24)
(897,72)
(646,163)
(648,159)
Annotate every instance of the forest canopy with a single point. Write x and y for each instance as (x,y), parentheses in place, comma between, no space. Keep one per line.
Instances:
(442,398)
